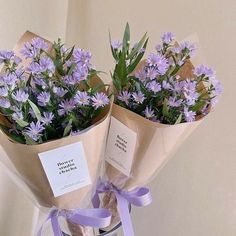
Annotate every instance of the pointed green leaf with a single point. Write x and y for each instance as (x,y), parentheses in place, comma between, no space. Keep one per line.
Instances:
(68,128)
(71,69)
(35,110)
(137,48)
(198,106)
(69,55)
(126,38)
(21,123)
(114,54)
(179,119)
(165,108)
(29,140)
(132,66)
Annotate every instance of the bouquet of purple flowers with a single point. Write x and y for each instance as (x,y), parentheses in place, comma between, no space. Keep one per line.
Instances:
(157,91)
(51,96)
(54,117)
(158,102)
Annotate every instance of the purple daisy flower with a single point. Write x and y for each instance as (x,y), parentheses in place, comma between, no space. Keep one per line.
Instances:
(46,64)
(69,79)
(47,118)
(5,103)
(138,97)
(124,96)
(153,86)
(32,50)
(218,88)
(3,92)
(40,81)
(20,96)
(116,44)
(20,74)
(82,98)
(66,106)
(141,75)
(80,74)
(59,91)
(152,73)
(34,130)
(158,47)
(10,80)
(6,55)
(148,113)
(173,102)
(39,43)
(159,62)
(167,37)
(29,52)
(166,85)
(189,115)
(99,100)
(17,115)
(191,47)
(82,57)
(191,98)
(34,68)
(43,98)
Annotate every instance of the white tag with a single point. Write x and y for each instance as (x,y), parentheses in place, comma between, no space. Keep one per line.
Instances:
(66,168)
(120,146)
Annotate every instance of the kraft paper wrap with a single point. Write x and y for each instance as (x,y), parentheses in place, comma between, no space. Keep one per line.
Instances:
(29,169)
(156,143)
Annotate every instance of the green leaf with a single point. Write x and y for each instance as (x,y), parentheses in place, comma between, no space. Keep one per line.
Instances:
(121,70)
(114,54)
(29,140)
(68,128)
(70,71)
(126,39)
(35,110)
(137,48)
(179,119)
(165,108)
(21,123)
(132,66)
(198,106)
(17,138)
(69,55)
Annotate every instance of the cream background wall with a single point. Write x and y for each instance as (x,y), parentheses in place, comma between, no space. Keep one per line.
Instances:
(195,194)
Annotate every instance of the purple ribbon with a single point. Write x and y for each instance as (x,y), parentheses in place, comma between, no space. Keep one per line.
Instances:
(138,197)
(97,218)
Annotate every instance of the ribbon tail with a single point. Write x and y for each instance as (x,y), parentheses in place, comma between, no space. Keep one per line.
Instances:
(55,226)
(123,209)
(96,200)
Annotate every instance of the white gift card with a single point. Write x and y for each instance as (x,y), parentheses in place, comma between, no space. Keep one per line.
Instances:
(66,168)
(120,146)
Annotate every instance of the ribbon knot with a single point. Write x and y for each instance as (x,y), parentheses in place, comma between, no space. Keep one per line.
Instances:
(97,218)
(138,197)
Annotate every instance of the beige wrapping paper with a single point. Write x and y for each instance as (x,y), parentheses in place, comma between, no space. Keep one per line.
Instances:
(29,169)
(156,142)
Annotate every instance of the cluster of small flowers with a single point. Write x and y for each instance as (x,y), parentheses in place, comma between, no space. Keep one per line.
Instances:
(158,93)
(51,96)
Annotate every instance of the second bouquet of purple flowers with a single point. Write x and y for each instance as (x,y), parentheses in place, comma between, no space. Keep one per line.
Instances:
(162,99)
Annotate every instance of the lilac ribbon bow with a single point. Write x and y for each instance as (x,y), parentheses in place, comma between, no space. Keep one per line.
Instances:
(97,218)
(138,197)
